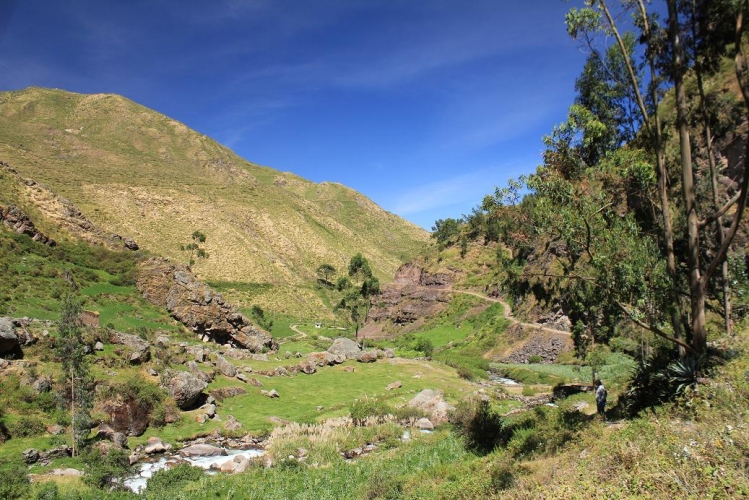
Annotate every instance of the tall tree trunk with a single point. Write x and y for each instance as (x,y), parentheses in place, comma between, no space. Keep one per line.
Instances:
(696,286)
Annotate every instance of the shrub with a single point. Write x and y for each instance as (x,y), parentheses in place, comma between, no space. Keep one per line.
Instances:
(15,483)
(105,471)
(424,345)
(27,426)
(174,478)
(535,359)
(478,425)
(47,491)
(361,409)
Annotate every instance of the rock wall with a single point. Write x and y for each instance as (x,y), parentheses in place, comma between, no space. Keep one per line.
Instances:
(198,307)
(414,294)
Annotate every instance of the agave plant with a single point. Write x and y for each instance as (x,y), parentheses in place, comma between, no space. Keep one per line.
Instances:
(684,373)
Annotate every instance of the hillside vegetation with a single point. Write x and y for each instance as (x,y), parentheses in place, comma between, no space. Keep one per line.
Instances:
(145,176)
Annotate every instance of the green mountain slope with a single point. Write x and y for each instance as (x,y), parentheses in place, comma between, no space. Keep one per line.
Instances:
(145,176)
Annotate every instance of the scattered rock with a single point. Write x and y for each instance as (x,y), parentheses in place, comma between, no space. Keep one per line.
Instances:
(395,385)
(241,376)
(185,388)
(8,337)
(56,429)
(209,410)
(424,424)
(367,357)
(389,353)
(227,369)
(232,424)
(271,394)
(31,455)
(202,450)
(281,371)
(349,369)
(308,367)
(98,346)
(155,445)
(70,472)
(345,347)
(140,350)
(431,402)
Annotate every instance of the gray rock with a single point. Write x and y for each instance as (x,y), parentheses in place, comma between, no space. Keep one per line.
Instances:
(154,445)
(395,385)
(345,347)
(8,337)
(210,410)
(227,369)
(424,424)
(98,346)
(42,384)
(244,378)
(31,455)
(367,357)
(308,367)
(431,402)
(202,450)
(281,371)
(140,350)
(389,353)
(185,388)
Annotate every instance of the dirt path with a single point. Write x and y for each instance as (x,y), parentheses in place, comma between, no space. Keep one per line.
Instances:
(508,313)
(299,335)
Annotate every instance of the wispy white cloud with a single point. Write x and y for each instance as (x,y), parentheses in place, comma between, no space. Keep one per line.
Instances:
(467,189)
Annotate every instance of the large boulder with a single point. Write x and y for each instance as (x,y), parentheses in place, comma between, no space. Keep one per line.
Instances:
(345,347)
(325,358)
(202,450)
(185,388)
(8,337)
(309,367)
(367,357)
(140,350)
(430,401)
(227,369)
(198,307)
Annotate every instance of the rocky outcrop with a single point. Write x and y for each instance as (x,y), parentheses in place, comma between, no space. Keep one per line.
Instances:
(18,221)
(59,212)
(198,307)
(535,343)
(415,294)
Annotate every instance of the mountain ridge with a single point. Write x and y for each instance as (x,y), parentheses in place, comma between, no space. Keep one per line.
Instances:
(146,176)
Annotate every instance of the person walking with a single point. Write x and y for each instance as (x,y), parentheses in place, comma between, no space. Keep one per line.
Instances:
(601,399)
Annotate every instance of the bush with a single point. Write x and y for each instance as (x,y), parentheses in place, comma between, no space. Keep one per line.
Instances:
(424,345)
(361,409)
(478,425)
(27,427)
(15,483)
(174,478)
(105,471)
(535,359)
(47,491)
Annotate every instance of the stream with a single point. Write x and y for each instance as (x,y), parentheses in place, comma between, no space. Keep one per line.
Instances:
(137,482)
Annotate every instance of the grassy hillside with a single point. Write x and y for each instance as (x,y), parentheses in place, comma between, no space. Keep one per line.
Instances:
(145,176)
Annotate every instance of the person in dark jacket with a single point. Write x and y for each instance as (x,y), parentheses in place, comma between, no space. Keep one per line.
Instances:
(601,399)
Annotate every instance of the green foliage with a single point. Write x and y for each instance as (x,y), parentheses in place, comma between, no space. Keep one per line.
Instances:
(424,345)
(478,425)
(27,426)
(105,471)
(47,491)
(444,230)
(364,408)
(75,378)
(259,317)
(359,266)
(193,249)
(15,480)
(325,271)
(172,480)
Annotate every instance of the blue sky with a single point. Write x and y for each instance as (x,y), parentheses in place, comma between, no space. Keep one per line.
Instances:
(422,105)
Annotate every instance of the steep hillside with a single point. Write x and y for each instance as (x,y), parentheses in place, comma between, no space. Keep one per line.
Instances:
(147,177)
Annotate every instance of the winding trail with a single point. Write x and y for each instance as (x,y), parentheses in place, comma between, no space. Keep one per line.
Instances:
(508,313)
(293,338)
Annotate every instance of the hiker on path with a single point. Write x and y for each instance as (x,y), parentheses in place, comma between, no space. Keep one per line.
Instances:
(601,399)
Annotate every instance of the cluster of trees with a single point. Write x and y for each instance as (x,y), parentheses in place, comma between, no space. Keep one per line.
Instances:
(357,287)
(634,211)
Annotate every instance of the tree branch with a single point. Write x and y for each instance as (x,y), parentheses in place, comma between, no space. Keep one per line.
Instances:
(653,329)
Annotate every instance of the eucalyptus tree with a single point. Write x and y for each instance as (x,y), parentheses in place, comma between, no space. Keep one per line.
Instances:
(76,381)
